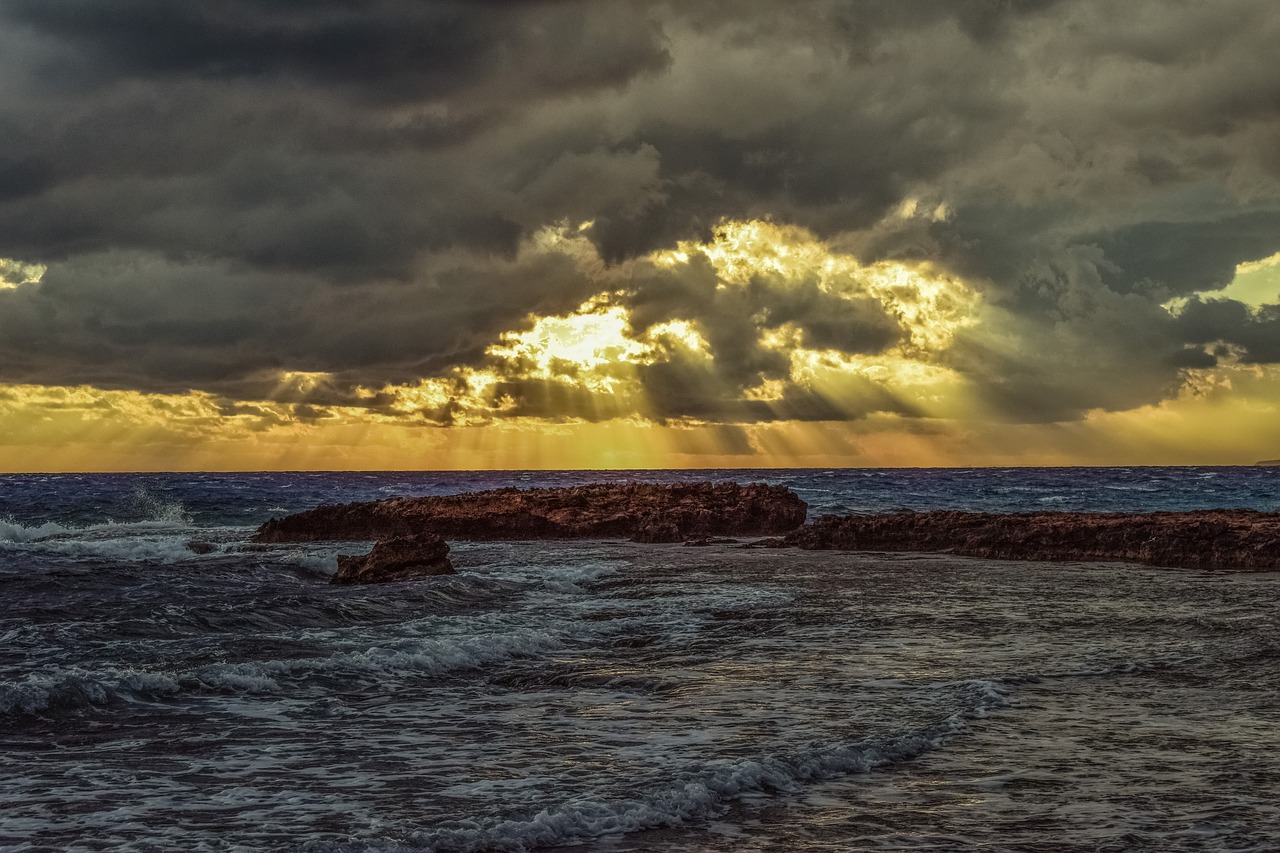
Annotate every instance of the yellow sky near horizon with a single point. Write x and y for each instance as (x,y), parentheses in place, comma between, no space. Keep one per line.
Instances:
(116,433)
(905,404)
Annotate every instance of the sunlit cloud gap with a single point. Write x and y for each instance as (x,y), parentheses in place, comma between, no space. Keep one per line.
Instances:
(821,335)
(759,346)
(14,274)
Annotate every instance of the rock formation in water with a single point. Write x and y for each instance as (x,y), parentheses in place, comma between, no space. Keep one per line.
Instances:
(643,512)
(1210,539)
(402,558)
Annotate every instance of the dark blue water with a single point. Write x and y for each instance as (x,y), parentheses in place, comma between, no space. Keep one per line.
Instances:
(243,499)
(615,696)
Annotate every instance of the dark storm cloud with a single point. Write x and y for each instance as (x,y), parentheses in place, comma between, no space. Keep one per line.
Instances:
(1256,333)
(24,177)
(226,189)
(1186,257)
(131,320)
(381,48)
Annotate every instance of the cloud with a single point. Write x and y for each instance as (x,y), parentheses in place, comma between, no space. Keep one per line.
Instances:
(407,49)
(225,193)
(1254,333)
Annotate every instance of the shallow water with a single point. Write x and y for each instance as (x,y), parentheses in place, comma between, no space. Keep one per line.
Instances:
(614,696)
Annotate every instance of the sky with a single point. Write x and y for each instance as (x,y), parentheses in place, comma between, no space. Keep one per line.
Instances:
(410,234)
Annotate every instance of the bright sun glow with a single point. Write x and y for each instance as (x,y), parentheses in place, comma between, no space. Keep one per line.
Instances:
(14,274)
(1256,283)
(596,353)
(569,389)
(576,346)
(932,307)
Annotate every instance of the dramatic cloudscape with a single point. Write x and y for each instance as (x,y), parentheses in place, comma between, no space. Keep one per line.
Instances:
(240,234)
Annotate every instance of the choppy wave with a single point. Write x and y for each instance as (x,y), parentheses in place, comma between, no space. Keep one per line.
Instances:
(702,797)
(15,532)
(164,536)
(1248,650)
(153,513)
(154,507)
(559,693)
(133,548)
(75,688)
(12,531)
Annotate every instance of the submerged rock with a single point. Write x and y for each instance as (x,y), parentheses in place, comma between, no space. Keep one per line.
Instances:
(768,542)
(645,512)
(402,558)
(703,541)
(199,546)
(1209,539)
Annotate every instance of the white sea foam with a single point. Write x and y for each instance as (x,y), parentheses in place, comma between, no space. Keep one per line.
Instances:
(133,549)
(12,531)
(162,539)
(565,578)
(159,515)
(72,688)
(321,562)
(157,508)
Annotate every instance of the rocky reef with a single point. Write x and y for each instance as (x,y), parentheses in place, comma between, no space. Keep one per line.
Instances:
(643,512)
(402,558)
(1242,540)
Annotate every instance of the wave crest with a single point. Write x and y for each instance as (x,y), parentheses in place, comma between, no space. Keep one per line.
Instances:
(13,531)
(705,796)
(74,689)
(155,512)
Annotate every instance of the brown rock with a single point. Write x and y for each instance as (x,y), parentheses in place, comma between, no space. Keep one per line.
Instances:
(657,532)
(403,558)
(1209,539)
(645,512)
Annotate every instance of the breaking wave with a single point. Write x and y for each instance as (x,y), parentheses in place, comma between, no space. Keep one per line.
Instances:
(11,531)
(163,536)
(704,796)
(133,548)
(72,689)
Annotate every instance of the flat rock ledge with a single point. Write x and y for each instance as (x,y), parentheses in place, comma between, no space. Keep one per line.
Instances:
(399,559)
(642,512)
(1238,540)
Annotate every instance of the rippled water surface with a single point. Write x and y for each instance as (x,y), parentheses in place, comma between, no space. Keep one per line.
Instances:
(614,696)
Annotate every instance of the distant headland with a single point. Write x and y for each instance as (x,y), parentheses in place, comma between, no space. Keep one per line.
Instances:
(1268,462)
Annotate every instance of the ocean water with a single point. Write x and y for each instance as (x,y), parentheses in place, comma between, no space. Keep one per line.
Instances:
(621,697)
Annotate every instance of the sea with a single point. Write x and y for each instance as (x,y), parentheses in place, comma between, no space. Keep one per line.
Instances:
(168,685)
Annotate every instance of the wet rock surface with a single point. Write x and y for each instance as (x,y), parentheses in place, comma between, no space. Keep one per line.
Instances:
(643,512)
(399,559)
(1242,540)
